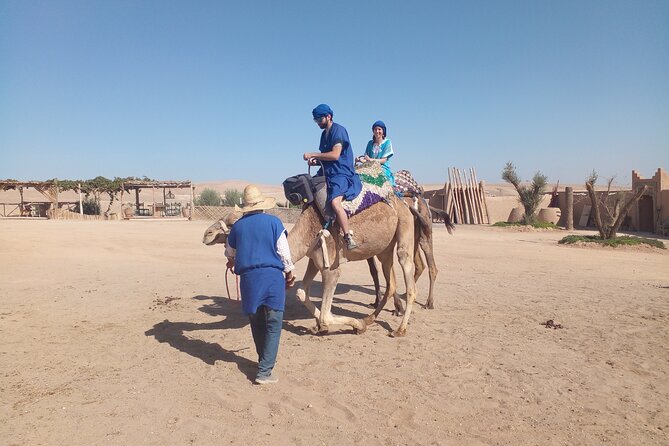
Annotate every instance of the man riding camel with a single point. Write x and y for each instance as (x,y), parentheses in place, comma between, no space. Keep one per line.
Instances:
(336,156)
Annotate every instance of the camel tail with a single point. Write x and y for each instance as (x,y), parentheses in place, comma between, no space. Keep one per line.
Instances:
(450,227)
(425,224)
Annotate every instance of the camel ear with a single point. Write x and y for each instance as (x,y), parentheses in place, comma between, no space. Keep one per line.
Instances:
(224,227)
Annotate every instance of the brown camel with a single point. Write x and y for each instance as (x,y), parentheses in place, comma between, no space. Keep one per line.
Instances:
(378,229)
(422,242)
(217,233)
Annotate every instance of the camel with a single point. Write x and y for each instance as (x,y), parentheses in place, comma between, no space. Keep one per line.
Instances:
(379,229)
(422,242)
(217,233)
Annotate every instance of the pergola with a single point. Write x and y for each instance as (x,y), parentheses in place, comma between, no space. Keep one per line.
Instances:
(47,188)
(50,190)
(138,185)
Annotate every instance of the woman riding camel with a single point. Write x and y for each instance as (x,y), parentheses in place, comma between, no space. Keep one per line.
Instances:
(380,149)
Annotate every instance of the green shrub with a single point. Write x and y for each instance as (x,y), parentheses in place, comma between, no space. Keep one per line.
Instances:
(232,197)
(538,225)
(613,242)
(208,197)
(91,206)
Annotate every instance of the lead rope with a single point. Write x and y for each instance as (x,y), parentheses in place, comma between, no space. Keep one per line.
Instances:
(227,287)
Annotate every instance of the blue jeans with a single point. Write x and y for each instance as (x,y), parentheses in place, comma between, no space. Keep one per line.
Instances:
(266,329)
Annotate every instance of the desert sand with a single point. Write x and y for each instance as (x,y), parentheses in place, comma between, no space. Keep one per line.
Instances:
(120,332)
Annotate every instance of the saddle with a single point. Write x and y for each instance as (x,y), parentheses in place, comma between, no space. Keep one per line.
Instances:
(375,188)
(304,189)
(406,185)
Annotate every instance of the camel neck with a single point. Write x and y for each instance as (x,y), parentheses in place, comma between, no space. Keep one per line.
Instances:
(303,233)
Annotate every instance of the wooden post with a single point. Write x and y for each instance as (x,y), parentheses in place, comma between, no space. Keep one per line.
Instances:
(485,203)
(454,204)
(465,199)
(456,196)
(465,194)
(450,182)
(461,197)
(470,196)
(153,198)
(478,218)
(477,194)
(444,197)
(472,203)
(81,204)
(451,203)
(570,208)
(137,199)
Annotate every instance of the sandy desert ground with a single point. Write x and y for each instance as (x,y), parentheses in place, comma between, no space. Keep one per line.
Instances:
(119,332)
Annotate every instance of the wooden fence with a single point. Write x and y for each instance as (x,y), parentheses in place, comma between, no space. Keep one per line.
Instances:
(464,197)
(212,213)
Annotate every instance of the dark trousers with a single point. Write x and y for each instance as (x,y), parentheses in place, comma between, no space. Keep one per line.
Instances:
(266,329)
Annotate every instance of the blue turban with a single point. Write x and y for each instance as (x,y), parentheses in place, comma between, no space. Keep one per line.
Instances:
(380,124)
(322,110)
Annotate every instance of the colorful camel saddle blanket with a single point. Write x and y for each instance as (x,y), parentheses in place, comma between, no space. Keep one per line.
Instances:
(406,185)
(375,188)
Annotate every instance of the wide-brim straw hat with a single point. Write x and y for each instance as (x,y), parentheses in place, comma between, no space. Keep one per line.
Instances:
(254,200)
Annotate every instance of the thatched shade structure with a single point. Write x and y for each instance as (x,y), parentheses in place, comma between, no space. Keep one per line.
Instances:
(138,185)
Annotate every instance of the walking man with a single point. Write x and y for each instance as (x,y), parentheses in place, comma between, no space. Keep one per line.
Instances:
(257,248)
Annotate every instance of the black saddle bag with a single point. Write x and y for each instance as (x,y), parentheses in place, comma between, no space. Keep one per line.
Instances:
(301,189)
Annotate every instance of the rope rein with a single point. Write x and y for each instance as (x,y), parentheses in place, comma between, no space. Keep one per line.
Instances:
(227,287)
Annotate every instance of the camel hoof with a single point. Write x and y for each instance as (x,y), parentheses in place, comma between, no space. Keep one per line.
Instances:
(319,329)
(429,306)
(397,312)
(369,320)
(398,333)
(361,330)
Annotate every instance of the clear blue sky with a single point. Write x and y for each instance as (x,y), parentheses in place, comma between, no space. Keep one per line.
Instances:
(211,90)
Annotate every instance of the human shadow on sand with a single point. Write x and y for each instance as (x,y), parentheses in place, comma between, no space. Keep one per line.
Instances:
(172,333)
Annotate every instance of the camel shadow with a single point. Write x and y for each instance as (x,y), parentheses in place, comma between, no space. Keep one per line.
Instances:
(343,288)
(297,312)
(172,333)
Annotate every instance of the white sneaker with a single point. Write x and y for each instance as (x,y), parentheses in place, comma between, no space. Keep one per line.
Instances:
(350,243)
(262,380)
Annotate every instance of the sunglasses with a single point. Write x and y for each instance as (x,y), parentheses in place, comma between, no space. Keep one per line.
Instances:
(318,120)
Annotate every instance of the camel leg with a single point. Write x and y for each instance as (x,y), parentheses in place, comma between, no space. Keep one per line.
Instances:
(419,268)
(303,292)
(418,262)
(330,279)
(374,272)
(408,270)
(397,301)
(426,246)
(386,259)
(405,256)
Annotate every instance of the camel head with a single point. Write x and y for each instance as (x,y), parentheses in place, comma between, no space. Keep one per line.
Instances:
(218,232)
